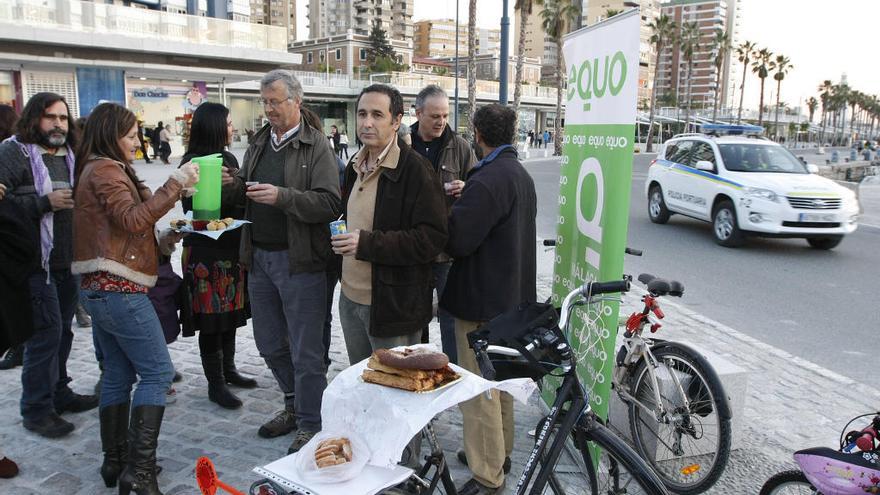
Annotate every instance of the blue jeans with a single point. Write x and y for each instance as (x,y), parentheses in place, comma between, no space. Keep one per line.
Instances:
(129,336)
(289,311)
(44,369)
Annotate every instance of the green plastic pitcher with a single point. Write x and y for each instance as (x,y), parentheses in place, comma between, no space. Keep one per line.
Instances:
(206,202)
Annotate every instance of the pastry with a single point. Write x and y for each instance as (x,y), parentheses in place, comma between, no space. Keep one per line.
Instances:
(333,452)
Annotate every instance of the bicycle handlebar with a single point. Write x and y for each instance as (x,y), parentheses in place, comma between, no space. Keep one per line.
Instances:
(631,251)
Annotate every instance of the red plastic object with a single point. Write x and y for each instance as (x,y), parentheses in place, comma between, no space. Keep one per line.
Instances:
(209,483)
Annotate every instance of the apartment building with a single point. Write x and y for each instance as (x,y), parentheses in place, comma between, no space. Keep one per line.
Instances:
(281,13)
(337,17)
(538,45)
(710,16)
(594,11)
(344,54)
(488,67)
(436,38)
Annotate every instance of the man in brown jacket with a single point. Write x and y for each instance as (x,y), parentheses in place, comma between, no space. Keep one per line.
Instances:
(396,219)
(289,184)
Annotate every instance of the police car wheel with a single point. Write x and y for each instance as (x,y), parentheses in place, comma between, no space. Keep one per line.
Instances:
(829,242)
(657,211)
(725,227)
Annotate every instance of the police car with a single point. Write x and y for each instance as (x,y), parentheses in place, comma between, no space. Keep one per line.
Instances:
(747,185)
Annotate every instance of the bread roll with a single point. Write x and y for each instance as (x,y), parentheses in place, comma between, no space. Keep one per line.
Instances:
(412,359)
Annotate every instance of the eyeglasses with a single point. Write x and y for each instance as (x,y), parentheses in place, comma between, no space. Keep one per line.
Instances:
(272,103)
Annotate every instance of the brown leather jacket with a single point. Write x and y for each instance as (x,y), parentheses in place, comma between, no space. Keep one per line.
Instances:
(114,221)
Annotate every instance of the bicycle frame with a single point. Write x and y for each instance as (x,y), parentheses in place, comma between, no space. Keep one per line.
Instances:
(639,348)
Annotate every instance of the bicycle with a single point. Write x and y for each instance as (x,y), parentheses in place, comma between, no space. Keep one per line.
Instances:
(678,411)
(531,341)
(854,468)
(672,386)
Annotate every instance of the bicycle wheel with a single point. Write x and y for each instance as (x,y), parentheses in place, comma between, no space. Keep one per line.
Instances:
(689,447)
(788,483)
(620,470)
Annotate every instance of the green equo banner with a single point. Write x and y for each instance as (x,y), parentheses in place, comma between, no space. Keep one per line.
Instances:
(594,191)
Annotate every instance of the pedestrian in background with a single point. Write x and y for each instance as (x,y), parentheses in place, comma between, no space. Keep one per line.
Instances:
(165,144)
(546,137)
(117,253)
(292,196)
(334,135)
(495,214)
(8,118)
(216,283)
(143,141)
(343,144)
(37,166)
(154,138)
(452,158)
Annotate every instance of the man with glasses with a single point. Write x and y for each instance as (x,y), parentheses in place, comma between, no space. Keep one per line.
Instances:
(289,184)
(37,166)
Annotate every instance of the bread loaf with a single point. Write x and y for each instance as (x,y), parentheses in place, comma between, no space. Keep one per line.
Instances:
(333,452)
(412,359)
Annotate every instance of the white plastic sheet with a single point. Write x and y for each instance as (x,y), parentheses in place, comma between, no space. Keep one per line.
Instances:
(387,418)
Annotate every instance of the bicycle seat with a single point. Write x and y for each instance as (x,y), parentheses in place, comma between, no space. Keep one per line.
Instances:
(660,286)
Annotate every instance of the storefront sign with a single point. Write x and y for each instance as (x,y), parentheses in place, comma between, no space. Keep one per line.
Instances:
(594,192)
(150,94)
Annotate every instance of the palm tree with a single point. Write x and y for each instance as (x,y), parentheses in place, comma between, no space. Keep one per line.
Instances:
(472,64)
(525,10)
(761,66)
(825,97)
(782,65)
(612,12)
(839,98)
(555,20)
(854,99)
(662,32)
(744,54)
(721,46)
(812,104)
(689,39)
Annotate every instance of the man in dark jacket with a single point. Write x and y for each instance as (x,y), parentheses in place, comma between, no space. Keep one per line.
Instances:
(452,158)
(492,240)
(289,184)
(396,220)
(36,165)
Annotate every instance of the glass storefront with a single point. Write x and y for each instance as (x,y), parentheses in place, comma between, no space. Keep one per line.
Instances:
(9,91)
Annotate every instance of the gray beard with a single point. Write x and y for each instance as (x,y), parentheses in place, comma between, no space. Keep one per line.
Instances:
(54,140)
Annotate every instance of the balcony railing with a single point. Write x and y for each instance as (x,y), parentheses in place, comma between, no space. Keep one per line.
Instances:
(94,17)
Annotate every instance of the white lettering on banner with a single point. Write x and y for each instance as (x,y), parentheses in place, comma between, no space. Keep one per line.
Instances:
(591,228)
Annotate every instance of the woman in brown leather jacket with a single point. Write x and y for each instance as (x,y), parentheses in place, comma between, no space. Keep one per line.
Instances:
(116,251)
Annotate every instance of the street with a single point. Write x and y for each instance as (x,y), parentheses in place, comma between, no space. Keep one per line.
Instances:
(817,305)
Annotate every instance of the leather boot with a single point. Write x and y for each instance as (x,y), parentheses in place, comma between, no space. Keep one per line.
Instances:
(217,390)
(13,357)
(229,369)
(114,441)
(139,474)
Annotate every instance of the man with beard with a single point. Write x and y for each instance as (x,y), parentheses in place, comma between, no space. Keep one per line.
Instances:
(37,165)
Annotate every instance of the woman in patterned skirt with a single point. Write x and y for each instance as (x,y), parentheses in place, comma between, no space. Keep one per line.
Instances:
(211,272)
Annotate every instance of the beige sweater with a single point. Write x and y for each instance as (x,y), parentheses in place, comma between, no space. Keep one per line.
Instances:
(357,275)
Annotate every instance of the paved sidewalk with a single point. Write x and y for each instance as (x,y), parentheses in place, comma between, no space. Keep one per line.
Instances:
(791,404)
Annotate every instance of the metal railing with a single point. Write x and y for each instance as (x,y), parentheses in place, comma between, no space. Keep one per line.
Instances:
(94,17)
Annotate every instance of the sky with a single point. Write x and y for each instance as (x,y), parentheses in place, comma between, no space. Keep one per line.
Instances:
(824,39)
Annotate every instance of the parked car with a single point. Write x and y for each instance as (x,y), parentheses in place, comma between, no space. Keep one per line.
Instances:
(748,186)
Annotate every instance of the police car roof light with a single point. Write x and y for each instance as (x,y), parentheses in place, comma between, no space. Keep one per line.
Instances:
(732,129)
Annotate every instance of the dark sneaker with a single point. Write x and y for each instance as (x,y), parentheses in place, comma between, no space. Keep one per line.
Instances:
(474,487)
(50,426)
(177,377)
(13,357)
(77,403)
(283,423)
(462,458)
(301,438)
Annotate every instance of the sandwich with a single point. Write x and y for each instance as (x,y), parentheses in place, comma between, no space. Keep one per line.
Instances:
(415,370)
(333,452)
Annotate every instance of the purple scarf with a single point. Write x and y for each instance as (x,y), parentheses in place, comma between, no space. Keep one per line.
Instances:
(43,186)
